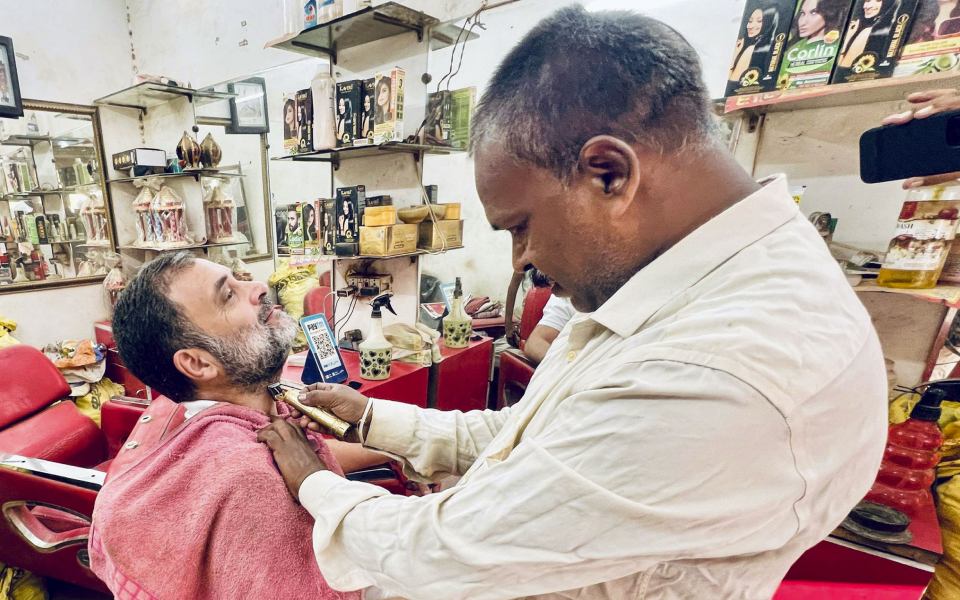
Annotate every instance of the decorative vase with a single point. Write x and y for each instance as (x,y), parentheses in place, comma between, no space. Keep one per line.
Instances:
(188,150)
(210,152)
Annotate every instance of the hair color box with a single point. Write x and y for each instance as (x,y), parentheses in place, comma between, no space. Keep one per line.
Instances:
(348,214)
(761,42)
(367,116)
(876,34)
(814,43)
(305,120)
(933,44)
(348,108)
(388,106)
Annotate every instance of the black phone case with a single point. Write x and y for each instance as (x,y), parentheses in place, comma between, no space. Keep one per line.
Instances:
(919,148)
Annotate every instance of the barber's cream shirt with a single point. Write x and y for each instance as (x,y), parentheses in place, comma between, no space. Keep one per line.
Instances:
(721,413)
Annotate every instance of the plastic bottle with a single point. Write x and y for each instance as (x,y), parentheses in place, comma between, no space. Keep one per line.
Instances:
(925,231)
(911,457)
(457,326)
(375,351)
(323,88)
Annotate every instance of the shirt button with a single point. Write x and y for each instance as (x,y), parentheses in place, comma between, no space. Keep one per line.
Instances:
(571,355)
(131,445)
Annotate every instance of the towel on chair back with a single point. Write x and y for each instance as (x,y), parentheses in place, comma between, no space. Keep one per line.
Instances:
(199,510)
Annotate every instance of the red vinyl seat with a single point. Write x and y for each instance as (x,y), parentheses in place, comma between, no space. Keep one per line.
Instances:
(516,370)
(319,300)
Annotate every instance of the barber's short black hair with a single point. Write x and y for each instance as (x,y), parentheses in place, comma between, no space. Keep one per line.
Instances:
(149,327)
(579,74)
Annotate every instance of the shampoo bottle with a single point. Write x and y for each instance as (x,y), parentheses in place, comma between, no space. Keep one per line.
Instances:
(457,326)
(323,88)
(376,352)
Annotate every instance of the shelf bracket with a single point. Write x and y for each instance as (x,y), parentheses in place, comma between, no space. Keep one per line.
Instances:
(399,23)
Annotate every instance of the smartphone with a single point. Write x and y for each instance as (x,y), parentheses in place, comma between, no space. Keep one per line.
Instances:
(918,148)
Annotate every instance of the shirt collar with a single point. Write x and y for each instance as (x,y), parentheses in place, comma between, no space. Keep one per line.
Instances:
(696,255)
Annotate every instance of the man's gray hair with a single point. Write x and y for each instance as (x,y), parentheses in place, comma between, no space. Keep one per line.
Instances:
(579,74)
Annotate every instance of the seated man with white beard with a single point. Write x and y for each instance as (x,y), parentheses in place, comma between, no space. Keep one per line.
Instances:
(194,506)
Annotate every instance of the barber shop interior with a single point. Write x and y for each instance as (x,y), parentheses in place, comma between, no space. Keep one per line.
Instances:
(480,299)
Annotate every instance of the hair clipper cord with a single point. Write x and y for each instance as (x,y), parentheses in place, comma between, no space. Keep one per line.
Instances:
(288,393)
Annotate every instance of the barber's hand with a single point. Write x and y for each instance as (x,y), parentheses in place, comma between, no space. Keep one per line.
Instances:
(923,105)
(342,400)
(292,453)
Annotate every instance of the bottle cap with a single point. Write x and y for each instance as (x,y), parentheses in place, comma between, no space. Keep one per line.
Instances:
(928,409)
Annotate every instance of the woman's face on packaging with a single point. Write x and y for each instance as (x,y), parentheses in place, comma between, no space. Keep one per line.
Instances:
(871,8)
(383,95)
(290,116)
(342,106)
(810,22)
(755,24)
(366,102)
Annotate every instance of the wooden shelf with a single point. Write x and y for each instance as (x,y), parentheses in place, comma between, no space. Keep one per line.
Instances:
(842,94)
(329,257)
(365,26)
(948,295)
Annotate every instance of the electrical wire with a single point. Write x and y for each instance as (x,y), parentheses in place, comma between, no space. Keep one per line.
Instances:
(346,319)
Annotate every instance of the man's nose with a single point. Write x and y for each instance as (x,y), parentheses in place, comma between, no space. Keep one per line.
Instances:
(257,290)
(521,258)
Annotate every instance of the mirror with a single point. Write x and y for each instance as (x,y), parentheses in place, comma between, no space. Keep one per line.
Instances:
(55,227)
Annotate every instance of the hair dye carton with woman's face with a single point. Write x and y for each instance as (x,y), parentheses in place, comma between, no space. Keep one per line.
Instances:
(761,42)
(876,34)
(814,43)
(347,111)
(388,106)
(933,44)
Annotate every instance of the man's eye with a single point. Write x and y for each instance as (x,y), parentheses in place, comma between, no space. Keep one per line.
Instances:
(230,295)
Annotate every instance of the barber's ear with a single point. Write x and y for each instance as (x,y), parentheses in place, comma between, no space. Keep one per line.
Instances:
(196,364)
(611,165)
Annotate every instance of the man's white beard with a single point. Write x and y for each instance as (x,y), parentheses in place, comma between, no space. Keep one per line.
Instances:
(255,356)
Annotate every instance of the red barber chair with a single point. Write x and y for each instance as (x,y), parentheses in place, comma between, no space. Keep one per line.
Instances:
(516,370)
(319,300)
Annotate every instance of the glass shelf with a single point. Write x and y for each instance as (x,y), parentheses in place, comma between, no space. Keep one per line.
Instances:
(337,155)
(365,26)
(196,174)
(948,295)
(332,258)
(193,247)
(32,139)
(147,95)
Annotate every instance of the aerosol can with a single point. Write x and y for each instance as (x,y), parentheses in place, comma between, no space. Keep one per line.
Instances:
(376,352)
(457,326)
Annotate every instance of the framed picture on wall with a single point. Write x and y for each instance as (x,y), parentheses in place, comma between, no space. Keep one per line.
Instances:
(11,105)
(248,109)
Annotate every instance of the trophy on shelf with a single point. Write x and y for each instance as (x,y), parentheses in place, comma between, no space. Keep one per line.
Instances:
(210,152)
(188,151)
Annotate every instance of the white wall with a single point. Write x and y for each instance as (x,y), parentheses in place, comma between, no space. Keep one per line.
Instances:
(67,52)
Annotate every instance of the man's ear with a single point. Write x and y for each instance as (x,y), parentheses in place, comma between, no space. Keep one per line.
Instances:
(196,364)
(611,166)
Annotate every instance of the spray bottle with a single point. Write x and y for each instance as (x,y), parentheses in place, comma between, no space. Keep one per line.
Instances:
(457,326)
(376,352)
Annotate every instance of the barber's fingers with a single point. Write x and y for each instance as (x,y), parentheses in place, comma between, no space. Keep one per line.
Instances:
(915,182)
(928,95)
(320,387)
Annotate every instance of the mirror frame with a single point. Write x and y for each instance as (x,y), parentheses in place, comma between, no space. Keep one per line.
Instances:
(94,114)
(265,178)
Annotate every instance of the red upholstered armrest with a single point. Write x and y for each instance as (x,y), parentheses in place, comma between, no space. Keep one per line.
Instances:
(516,370)
(118,418)
(59,434)
(29,383)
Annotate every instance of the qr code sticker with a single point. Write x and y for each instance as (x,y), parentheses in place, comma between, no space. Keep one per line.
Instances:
(323,348)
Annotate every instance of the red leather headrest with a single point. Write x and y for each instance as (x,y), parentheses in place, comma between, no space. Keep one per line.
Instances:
(28,383)
(533,310)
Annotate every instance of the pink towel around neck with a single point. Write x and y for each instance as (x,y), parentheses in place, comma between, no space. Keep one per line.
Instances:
(204,513)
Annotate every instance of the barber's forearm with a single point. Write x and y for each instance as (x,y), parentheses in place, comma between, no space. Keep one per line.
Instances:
(433,443)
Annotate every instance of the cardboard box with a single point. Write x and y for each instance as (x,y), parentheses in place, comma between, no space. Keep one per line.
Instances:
(305,120)
(461,116)
(439,118)
(389,240)
(291,132)
(150,158)
(811,56)
(876,34)
(933,44)
(761,42)
(388,106)
(452,212)
(328,229)
(437,235)
(379,216)
(348,108)
(310,213)
(349,201)
(367,101)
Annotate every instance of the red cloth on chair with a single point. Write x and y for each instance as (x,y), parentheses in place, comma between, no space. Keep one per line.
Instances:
(207,501)
(60,434)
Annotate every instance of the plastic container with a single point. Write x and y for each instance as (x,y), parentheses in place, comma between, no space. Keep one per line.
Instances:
(925,231)
(910,459)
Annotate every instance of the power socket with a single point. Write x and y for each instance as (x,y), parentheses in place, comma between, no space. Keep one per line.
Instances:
(369,281)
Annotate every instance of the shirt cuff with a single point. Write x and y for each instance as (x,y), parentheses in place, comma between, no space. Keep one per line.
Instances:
(392,426)
(328,498)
